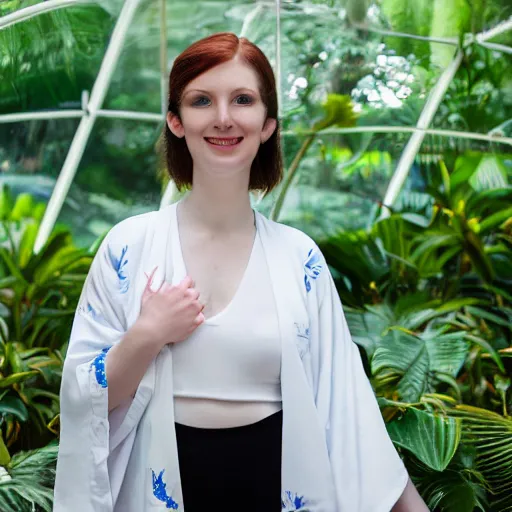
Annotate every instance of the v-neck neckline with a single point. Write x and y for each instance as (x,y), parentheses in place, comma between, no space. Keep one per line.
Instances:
(180,268)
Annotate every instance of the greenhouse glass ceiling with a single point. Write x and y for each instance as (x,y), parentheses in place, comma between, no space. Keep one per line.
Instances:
(373,94)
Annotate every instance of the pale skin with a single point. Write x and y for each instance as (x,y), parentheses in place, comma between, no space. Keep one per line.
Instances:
(219,107)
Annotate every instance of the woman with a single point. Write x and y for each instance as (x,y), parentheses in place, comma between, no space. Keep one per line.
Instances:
(210,366)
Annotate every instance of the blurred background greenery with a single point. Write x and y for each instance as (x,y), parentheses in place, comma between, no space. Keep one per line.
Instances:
(397,138)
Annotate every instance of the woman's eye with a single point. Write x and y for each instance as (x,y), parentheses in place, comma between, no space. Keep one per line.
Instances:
(243,99)
(202,101)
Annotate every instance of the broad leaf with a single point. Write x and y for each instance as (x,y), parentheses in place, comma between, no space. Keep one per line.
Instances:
(432,438)
(16,378)
(491,434)
(13,405)
(403,359)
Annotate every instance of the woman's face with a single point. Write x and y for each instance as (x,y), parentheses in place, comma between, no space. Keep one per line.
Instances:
(223,119)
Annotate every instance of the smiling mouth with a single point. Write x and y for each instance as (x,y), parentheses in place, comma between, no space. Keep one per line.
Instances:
(224,142)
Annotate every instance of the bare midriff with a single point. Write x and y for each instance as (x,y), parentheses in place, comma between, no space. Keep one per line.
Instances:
(209,413)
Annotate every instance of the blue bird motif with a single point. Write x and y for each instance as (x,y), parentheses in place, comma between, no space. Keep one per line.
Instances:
(159,491)
(118,264)
(95,315)
(312,267)
(98,365)
(291,502)
(303,336)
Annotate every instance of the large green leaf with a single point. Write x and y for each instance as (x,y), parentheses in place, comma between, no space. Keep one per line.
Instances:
(32,475)
(13,405)
(495,220)
(408,362)
(432,438)
(492,200)
(368,326)
(490,174)
(23,207)
(402,360)
(16,378)
(26,247)
(412,17)
(450,19)
(11,265)
(447,351)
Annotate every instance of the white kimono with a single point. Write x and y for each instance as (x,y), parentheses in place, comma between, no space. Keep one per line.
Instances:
(336,453)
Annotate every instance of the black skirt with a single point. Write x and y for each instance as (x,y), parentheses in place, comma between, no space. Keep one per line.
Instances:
(231,469)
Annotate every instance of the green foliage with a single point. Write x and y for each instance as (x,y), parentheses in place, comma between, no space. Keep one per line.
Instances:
(26,482)
(433,438)
(429,290)
(337,111)
(38,297)
(414,17)
(49,59)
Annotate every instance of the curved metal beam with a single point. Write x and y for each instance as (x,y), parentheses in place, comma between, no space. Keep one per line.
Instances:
(37,9)
(83,132)
(414,143)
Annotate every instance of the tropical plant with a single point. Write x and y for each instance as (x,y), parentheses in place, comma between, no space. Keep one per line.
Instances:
(38,296)
(427,295)
(26,480)
(338,111)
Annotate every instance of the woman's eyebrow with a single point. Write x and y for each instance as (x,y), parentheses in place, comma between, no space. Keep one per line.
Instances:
(239,89)
(195,90)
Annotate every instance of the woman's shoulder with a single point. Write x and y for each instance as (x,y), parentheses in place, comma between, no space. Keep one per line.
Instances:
(292,238)
(135,229)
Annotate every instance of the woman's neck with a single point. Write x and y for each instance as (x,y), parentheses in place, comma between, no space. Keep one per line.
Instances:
(218,208)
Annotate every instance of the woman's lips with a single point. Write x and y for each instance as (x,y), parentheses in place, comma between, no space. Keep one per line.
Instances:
(224,142)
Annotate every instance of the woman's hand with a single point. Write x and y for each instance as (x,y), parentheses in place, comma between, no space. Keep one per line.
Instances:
(172,313)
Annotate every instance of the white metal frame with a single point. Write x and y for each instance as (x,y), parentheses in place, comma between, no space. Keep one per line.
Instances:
(427,115)
(91,108)
(41,8)
(413,146)
(83,132)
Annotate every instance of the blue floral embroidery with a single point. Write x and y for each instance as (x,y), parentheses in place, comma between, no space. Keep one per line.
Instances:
(291,502)
(303,336)
(159,491)
(95,315)
(98,365)
(119,264)
(312,267)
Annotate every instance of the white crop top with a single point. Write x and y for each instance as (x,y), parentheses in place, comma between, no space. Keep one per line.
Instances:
(236,354)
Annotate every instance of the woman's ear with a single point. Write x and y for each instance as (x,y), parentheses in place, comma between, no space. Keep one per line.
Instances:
(174,124)
(268,129)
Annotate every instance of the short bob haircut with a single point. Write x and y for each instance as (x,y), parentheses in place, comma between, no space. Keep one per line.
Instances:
(201,56)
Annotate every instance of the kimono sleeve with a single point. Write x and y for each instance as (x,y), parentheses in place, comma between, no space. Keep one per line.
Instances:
(369,475)
(87,430)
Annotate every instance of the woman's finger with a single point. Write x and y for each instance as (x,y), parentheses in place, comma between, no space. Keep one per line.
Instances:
(199,319)
(186,283)
(192,293)
(147,290)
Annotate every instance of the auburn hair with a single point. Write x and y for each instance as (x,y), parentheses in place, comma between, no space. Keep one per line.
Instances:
(201,56)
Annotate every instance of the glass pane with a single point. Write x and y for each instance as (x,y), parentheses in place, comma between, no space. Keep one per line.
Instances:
(47,61)
(340,181)
(9,6)
(136,83)
(479,99)
(32,154)
(487,165)
(322,54)
(117,178)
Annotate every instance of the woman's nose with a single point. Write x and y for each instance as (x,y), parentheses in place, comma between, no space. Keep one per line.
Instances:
(223,119)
